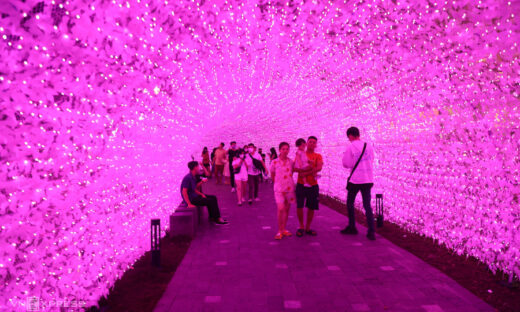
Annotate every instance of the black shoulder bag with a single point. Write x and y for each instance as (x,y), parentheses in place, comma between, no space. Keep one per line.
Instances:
(356,165)
(257,163)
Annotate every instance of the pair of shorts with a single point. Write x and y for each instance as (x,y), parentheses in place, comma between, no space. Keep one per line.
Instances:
(281,197)
(241,177)
(308,196)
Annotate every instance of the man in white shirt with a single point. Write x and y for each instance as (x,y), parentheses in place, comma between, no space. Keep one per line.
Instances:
(361,179)
(253,172)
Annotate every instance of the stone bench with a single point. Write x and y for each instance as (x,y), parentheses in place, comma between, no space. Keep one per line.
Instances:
(184,220)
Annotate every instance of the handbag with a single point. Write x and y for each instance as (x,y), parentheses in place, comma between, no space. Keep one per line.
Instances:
(237,170)
(356,165)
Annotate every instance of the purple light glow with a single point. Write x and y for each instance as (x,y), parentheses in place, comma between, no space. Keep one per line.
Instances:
(102,105)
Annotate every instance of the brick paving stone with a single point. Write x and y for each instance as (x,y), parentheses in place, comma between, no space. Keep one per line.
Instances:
(432,308)
(212,299)
(240,267)
(292,304)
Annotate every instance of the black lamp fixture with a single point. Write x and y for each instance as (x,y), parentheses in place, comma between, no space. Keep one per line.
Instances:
(156,242)
(379,210)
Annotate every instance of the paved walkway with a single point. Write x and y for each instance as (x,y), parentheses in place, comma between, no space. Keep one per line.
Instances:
(241,267)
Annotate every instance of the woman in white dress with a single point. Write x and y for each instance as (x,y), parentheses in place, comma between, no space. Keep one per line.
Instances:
(241,175)
(282,170)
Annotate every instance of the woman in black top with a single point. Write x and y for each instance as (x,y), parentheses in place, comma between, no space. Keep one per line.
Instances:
(273,154)
(213,161)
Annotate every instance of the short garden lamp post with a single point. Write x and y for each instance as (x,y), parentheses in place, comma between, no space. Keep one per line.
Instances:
(156,242)
(379,210)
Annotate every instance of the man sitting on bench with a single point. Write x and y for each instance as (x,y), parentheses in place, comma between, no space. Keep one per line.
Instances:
(194,197)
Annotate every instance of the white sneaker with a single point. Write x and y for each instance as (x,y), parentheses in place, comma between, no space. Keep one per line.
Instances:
(257,199)
(233,190)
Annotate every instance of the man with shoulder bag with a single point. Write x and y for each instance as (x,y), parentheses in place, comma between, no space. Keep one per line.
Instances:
(240,170)
(255,167)
(359,157)
(232,153)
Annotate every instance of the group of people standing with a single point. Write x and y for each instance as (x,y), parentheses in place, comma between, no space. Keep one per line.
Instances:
(307,164)
(246,166)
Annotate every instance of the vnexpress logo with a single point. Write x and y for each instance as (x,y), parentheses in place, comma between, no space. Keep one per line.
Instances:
(33,303)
